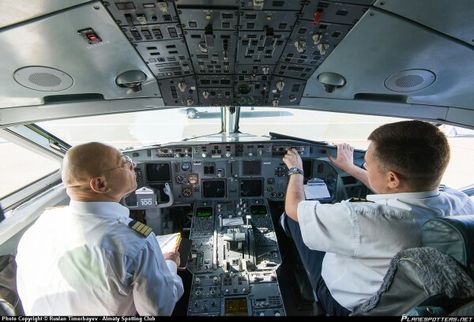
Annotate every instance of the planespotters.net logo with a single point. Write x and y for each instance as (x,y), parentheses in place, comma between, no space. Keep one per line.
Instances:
(406,318)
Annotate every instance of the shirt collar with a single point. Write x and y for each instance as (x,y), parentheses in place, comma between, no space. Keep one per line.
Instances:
(104,209)
(403,195)
(402,199)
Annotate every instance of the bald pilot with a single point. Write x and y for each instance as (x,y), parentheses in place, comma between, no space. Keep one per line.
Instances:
(85,259)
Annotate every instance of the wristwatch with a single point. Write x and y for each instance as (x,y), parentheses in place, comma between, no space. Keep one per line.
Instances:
(294,170)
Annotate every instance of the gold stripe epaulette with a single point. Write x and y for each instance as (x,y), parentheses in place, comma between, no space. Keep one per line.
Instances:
(140,228)
(355,199)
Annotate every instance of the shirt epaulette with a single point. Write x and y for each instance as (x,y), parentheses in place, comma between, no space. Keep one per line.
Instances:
(355,199)
(140,228)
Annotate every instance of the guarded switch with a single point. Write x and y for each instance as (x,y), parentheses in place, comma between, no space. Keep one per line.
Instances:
(90,35)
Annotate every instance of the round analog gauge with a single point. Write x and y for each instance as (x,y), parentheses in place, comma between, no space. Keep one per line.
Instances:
(187,192)
(193,179)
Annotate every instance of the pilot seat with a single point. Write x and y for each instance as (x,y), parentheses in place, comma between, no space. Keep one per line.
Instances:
(433,280)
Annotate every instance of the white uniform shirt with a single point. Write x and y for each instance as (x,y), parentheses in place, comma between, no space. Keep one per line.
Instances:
(361,238)
(85,260)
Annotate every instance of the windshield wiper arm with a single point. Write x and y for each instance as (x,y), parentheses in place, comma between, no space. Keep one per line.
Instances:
(276,136)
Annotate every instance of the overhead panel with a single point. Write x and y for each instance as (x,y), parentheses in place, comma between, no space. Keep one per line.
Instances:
(165,31)
(262,39)
(154,29)
(380,68)
(165,58)
(199,19)
(211,37)
(308,46)
(213,52)
(285,91)
(251,89)
(141,12)
(330,11)
(272,19)
(77,54)
(208,3)
(234,52)
(215,90)
(181,91)
(261,46)
(270,5)
(401,54)
(323,24)
(252,84)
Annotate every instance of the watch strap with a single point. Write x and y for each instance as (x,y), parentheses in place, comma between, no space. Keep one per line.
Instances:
(295,170)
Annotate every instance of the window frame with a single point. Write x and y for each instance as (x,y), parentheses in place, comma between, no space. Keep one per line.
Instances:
(36,140)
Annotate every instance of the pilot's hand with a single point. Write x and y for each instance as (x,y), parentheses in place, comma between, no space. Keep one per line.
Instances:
(345,157)
(292,159)
(174,256)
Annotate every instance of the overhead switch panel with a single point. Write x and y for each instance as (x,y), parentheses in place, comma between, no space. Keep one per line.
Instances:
(231,52)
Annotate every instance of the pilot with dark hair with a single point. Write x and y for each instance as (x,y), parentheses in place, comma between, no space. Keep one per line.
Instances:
(346,247)
(90,258)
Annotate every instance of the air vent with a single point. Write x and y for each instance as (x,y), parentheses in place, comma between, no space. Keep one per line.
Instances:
(44,79)
(410,80)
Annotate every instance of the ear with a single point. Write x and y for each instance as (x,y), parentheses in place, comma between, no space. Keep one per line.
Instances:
(393,180)
(99,185)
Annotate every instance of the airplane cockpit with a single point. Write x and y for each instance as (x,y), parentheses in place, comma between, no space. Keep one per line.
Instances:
(206,97)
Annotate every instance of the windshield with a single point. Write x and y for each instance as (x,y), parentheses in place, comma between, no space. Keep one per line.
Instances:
(134,129)
(313,125)
(172,125)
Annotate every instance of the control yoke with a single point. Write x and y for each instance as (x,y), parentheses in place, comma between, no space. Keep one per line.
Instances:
(169,193)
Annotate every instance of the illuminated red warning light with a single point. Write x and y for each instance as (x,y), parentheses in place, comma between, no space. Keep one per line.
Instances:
(90,35)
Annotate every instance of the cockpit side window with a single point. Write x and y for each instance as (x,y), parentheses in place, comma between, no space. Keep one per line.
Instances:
(21,167)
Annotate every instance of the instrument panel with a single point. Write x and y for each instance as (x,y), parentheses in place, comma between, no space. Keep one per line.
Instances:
(229,171)
(228,187)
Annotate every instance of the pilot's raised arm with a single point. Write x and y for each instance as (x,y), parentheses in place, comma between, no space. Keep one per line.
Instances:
(295,189)
(345,161)
(91,258)
(346,247)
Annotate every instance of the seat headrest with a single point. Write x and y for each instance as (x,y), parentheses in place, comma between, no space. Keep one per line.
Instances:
(454,236)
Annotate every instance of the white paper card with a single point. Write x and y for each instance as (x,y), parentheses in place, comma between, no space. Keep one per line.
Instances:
(235,221)
(169,243)
(316,189)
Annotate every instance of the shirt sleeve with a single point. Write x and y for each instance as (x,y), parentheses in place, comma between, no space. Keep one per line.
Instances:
(157,287)
(329,227)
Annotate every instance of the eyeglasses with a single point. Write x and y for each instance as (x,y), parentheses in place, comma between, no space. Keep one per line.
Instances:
(127,162)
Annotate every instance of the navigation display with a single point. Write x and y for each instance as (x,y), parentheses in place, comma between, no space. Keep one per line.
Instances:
(213,188)
(251,187)
(158,172)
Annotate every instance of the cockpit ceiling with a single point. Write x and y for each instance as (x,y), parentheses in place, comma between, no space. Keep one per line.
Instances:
(401,58)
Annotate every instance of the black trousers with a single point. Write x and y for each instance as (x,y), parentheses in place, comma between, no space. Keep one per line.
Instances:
(312,261)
